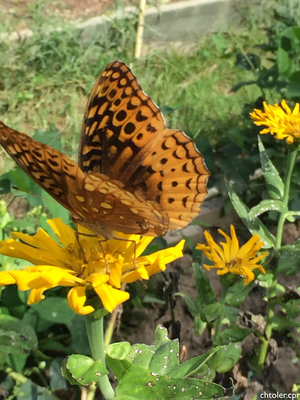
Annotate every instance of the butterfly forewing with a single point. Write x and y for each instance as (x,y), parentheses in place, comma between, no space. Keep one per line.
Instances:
(121,125)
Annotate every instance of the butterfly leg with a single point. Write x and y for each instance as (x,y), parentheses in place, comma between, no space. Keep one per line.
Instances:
(81,248)
(104,254)
(134,244)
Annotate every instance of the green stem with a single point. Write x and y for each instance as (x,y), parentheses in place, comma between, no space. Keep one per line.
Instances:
(94,329)
(220,317)
(287,183)
(272,290)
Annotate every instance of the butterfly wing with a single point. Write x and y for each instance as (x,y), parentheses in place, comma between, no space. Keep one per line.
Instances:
(124,136)
(121,125)
(93,200)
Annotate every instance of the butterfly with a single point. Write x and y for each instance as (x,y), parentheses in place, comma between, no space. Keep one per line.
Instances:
(133,174)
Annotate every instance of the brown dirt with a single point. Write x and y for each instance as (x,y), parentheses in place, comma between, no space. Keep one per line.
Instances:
(71,10)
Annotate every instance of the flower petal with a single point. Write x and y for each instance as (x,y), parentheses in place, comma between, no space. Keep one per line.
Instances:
(76,300)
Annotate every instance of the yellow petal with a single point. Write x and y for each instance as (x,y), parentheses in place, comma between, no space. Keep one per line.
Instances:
(76,300)
(6,278)
(111,297)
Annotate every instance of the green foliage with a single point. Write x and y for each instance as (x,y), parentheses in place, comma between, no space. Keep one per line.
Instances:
(158,365)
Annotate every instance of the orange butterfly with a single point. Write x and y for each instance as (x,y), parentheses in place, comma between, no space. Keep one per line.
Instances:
(133,175)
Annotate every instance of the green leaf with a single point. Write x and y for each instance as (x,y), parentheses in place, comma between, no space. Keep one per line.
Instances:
(118,351)
(267,205)
(16,337)
(282,323)
(57,381)
(275,185)
(289,260)
(192,367)
(199,325)
(213,311)
(17,361)
(139,383)
(82,370)
(79,335)
(3,359)
(255,226)
(237,293)
(205,294)
(56,209)
(293,87)
(192,307)
(232,334)
(284,62)
(54,309)
(30,391)
(165,357)
(226,358)
(52,137)
(141,354)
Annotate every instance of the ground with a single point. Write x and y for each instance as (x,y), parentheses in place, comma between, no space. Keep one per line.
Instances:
(72,10)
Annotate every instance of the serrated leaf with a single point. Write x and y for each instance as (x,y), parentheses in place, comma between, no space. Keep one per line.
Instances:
(255,226)
(191,367)
(141,354)
(139,383)
(275,185)
(166,357)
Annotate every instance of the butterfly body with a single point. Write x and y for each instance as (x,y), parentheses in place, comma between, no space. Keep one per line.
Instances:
(133,176)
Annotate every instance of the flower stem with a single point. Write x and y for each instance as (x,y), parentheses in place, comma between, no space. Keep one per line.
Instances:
(94,329)
(287,183)
(220,317)
(272,290)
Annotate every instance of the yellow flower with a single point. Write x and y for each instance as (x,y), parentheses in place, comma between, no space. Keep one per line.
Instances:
(231,258)
(280,121)
(89,264)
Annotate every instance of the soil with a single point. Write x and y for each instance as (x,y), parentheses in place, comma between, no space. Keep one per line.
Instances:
(71,10)
(281,372)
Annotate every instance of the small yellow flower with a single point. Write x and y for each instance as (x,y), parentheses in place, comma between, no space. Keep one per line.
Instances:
(280,121)
(231,258)
(90,264)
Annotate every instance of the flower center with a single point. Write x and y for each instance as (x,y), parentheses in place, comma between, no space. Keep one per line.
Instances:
(232,263)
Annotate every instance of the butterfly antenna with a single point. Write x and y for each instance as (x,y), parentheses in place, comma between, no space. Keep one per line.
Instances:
(33,194)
